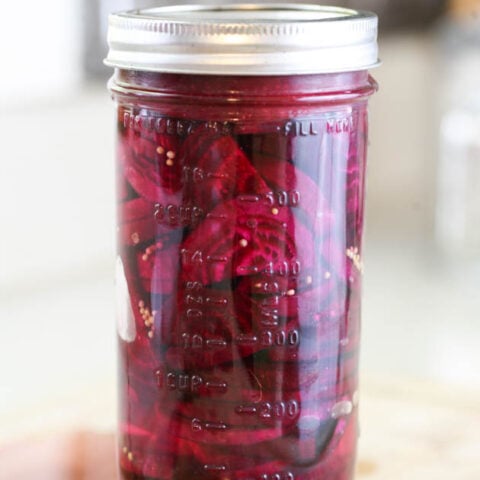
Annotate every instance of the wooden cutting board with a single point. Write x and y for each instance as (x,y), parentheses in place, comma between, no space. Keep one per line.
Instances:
(410,431)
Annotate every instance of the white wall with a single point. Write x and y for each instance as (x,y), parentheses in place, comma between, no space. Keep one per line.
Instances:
(40,44)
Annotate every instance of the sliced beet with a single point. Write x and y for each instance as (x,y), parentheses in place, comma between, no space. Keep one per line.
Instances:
(219,433)
(230,173)
(139,453)
(136,221)
(248,237)
(242,259)
(217,170)
(147,160)
(309,200)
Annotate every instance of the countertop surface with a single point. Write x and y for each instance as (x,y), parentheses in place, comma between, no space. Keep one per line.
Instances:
(410,431)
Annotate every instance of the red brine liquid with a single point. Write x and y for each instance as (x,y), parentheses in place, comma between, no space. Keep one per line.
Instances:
(240,215)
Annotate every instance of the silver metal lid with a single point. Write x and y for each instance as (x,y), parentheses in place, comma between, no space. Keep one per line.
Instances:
(243,39)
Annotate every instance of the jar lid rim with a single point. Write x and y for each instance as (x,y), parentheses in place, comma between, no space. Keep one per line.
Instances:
(243,39)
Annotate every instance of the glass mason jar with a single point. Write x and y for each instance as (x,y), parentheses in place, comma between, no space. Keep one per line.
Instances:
(242,134)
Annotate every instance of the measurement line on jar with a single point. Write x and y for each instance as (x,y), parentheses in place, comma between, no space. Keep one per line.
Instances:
(270,323)
(279,198)
(272,410)
(212,303)
(213,259)
(197,257)
(249,198)
(196,341)
(219,301)
(196,299)
(246,339)
(266,338)
(215,468)
(248,268)
(273,476)
(216,385)
(220,176)
(215,426)
(198,175)
(216,343)
(198,425)
(246,409)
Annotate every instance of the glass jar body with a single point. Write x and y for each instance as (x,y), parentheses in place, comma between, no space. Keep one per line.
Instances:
(240,218)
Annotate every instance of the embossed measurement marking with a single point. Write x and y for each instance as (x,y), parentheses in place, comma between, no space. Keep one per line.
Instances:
(246,339)
(249,198)
(194,286)
(198,299)
(278,198)
(197,342)
(280,338)
(215,468)
(197,257)
(215,426)
(248,409)
(220,176)
(199,175)
(290,268)
(248,268)
(185,382)
(266,338)
(275,410)
(216,301)
(269,287)
(215,386)
(216,259)
(269,318)
(216,343)
(283,198)
(273,476)
(269,311)
(182,382)
(198,425)
(194,314)
(195,296)
(190,257)
(178,215)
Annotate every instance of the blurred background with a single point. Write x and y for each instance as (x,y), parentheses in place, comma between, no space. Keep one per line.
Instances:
(422,281)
